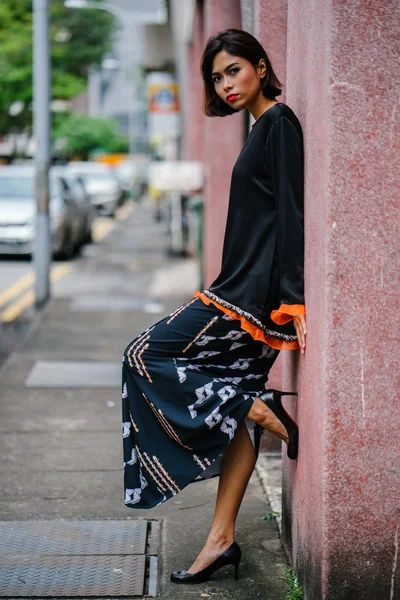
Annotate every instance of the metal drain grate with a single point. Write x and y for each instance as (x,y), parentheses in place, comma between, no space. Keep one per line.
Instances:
(73,576)
(73,558)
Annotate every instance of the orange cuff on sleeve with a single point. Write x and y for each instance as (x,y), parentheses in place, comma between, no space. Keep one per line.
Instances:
(286,312)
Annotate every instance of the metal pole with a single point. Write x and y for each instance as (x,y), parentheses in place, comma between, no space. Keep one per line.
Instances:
(41,121)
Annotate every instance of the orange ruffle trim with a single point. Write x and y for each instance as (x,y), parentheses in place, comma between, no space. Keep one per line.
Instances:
(286,312)
(255,332)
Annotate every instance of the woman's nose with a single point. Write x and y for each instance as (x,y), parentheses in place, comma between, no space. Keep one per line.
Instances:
(227,85)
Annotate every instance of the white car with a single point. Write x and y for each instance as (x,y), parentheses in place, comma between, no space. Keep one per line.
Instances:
(100,183)
(18,212)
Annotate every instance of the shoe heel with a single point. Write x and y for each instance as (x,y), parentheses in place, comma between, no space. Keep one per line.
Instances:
(280,394)
(237,571)
(278,398)
(272,398)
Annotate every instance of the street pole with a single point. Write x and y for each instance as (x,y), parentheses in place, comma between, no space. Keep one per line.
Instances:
(41,123)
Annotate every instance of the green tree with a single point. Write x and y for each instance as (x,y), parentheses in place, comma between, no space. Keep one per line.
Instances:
(80,135)
(79,39)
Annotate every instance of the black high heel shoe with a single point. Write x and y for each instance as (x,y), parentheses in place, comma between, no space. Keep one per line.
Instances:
(272,399)
(231,556)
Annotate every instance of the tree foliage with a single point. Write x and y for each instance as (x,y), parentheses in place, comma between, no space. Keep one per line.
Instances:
(80,135)
(79,38)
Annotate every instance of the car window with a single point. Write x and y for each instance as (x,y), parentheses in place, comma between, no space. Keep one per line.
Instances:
(14,187)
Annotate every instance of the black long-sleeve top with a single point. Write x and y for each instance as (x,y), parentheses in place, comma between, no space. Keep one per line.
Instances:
(263,252)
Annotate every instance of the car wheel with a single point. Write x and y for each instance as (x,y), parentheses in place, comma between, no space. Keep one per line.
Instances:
(68,248)
(88,239)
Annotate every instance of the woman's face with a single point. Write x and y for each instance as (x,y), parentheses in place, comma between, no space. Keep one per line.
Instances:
(236,80)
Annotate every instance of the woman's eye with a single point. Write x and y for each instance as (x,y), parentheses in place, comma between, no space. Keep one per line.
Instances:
(231,72)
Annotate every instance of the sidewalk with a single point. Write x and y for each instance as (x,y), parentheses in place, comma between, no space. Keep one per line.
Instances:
(61,447)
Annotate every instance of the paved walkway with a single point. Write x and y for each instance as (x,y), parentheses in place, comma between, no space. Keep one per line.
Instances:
(60,415)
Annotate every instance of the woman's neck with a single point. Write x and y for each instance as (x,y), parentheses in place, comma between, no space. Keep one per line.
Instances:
(260,106)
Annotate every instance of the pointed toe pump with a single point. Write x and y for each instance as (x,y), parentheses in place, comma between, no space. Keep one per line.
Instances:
(272,399)
(231,556)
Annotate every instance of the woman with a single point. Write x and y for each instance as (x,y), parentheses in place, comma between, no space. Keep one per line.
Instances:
(194,399)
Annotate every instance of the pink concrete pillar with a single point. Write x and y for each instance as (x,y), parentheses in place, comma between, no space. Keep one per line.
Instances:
(341,514)
(223,139)
(193,147)
(270,28)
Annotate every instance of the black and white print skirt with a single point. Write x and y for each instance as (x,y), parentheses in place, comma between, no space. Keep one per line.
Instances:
(188,382)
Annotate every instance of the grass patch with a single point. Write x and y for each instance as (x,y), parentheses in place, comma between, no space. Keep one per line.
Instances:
(294,591)
(271,515)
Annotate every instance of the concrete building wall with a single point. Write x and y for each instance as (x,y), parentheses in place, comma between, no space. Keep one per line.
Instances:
(247,14)
(193,142)
(337,62)
(270,28)
(223,139)
(214,140)
(341,513)
(118,95)
(308,93)
(158,47)
(112,91)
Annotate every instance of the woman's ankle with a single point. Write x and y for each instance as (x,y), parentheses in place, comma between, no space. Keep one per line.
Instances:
(221,537)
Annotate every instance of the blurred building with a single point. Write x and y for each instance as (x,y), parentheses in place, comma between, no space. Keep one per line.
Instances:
(118,89)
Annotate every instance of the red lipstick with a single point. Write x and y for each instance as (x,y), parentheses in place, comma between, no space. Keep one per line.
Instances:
(231,97)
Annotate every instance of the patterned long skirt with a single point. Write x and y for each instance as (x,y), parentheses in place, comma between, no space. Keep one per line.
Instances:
(188,383)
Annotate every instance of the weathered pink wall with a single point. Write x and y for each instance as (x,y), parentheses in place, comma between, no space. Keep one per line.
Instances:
(193,139)
(341,498)
(307,92)
(270,28)
(214,140)
(223,139)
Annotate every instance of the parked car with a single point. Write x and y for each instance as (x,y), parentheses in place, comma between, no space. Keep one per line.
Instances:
(18,212)
(101,184)
(126,173)
(82,200)
(133,175)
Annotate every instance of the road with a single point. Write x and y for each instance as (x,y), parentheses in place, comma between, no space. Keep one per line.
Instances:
(17,278)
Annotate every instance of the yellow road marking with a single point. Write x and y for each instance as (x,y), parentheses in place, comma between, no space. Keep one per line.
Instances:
(17,287)
(124,211)
(101,227)
(17,307)
(25,301)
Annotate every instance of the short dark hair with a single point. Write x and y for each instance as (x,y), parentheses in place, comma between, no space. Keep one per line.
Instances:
(238,43)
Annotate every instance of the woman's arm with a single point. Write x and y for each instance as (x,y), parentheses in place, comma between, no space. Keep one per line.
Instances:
(285,163)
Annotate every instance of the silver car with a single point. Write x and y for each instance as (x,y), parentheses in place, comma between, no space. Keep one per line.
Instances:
(18,213)
(101,184)
(82,200)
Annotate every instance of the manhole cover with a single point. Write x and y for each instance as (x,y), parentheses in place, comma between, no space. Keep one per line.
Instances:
(76,558)
(69,374)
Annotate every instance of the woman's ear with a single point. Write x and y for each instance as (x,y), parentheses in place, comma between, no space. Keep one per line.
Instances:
(262,68)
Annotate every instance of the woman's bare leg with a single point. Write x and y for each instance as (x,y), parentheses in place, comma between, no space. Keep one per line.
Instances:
(236,468)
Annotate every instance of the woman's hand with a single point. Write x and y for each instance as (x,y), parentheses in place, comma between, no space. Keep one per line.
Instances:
(299,323)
